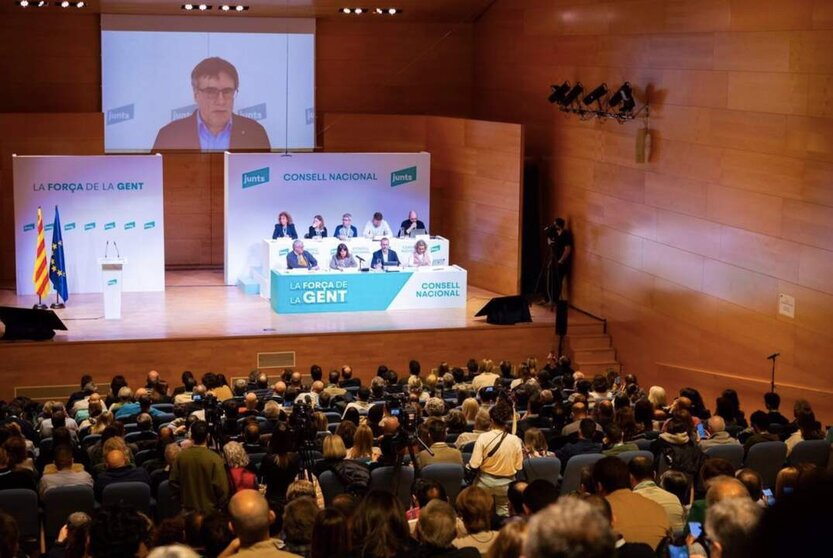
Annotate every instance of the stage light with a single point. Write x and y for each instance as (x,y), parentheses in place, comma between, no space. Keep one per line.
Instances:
(225,7)
(595,95)
(203,7)
(572,95)
(240,8)
(557,92)
(347,11)
(188,7)
(394,11)
(23,3)
(379,11)
(358,11)
(64,4)
(80,4)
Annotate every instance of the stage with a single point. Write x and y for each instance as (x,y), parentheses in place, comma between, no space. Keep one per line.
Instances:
(201,324)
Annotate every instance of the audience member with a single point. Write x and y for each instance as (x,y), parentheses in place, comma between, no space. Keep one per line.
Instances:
(475,508)
(250,520)
(298,523)
(570,528)
(642,476)
(198,476)
(638,519)
(118,471)
(498,455)
(65,474)
(442,452)
(584,444)
(436,531)
(539,494)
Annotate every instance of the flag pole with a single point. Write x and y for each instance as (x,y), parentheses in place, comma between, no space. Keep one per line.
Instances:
(40,305)
(57,305)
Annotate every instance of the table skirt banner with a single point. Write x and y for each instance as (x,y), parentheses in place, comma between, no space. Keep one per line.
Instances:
(274,254)
(304,292)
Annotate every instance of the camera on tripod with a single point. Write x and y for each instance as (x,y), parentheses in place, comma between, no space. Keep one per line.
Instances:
(302,422)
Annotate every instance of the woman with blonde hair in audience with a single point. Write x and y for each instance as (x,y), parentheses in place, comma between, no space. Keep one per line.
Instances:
(657,397)
(363,449)
(535,444)
(102,421)
(510,540)
(470,408)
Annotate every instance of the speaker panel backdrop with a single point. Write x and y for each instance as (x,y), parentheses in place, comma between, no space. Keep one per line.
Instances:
(100,198)
(259,186)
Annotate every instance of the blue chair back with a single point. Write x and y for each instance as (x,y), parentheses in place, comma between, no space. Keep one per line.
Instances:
(449,475)
(144,455)
(255,459)
(332,427)
(22,505)
(134,494)
(733,453)
(572,472)
(166,504)
(467,447)
(331,486)
(396,483)
(332,416)
(767,458)
(163,407)
(626,456)
(816,452)
(547,468)
(59,503)
(466,457)
(643,444)
(90,439)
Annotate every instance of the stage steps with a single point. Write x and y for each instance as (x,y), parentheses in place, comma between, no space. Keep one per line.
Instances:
(589,346)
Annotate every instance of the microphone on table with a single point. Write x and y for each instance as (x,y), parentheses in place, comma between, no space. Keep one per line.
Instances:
(116,246)
(773,356)
(106,248)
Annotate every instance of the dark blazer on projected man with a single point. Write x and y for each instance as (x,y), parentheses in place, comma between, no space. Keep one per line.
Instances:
(183,134)
(393,258)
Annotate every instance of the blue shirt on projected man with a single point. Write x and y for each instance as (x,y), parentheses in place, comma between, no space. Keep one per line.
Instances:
(384,257)
(211,142)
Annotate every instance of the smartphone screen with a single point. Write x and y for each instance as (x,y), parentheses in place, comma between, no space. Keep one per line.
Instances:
(700,430)
(675,551)
(768,495)
(695,528)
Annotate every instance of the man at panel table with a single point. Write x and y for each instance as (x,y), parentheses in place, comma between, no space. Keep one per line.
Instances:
(377,227)
(346,228)
(384,257)
(299,258)
(420,257)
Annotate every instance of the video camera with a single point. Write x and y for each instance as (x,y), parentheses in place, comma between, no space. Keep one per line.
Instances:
(302,421)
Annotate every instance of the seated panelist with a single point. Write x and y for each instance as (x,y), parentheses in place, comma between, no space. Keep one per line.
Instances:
(342,258)
(420,257)
(317,229)
(299,258)
(377,227)
(411,224)
(346,229)
(384,257)
(284,228)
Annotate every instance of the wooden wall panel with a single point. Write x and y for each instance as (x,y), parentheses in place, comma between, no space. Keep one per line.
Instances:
(37,134)
(686,255)
(475,183)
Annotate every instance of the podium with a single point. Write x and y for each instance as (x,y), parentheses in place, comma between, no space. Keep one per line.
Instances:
(111,279)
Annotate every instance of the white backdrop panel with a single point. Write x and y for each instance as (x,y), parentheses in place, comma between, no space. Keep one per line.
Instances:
(100,198)
(260,185)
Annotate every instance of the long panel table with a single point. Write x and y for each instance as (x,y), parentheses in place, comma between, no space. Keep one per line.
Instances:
(299,291)
(273,253)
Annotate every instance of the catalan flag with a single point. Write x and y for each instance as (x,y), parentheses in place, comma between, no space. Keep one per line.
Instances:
(40,277)
(57,265)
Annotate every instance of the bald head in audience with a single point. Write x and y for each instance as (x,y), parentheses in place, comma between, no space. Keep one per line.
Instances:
(250,401)
(115,459)
(722,488)
(250,517)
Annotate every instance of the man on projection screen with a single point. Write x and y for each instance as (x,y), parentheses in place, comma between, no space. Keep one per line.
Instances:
(213,126)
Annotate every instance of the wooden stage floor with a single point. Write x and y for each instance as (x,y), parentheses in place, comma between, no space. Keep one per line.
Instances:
(197,304)
(200,324)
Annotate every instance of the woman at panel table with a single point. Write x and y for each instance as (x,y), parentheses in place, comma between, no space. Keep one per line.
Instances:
(285,228)
(420,257)
(342,258)
(317,229)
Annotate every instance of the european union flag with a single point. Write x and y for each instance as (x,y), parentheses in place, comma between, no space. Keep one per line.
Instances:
(57,266)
